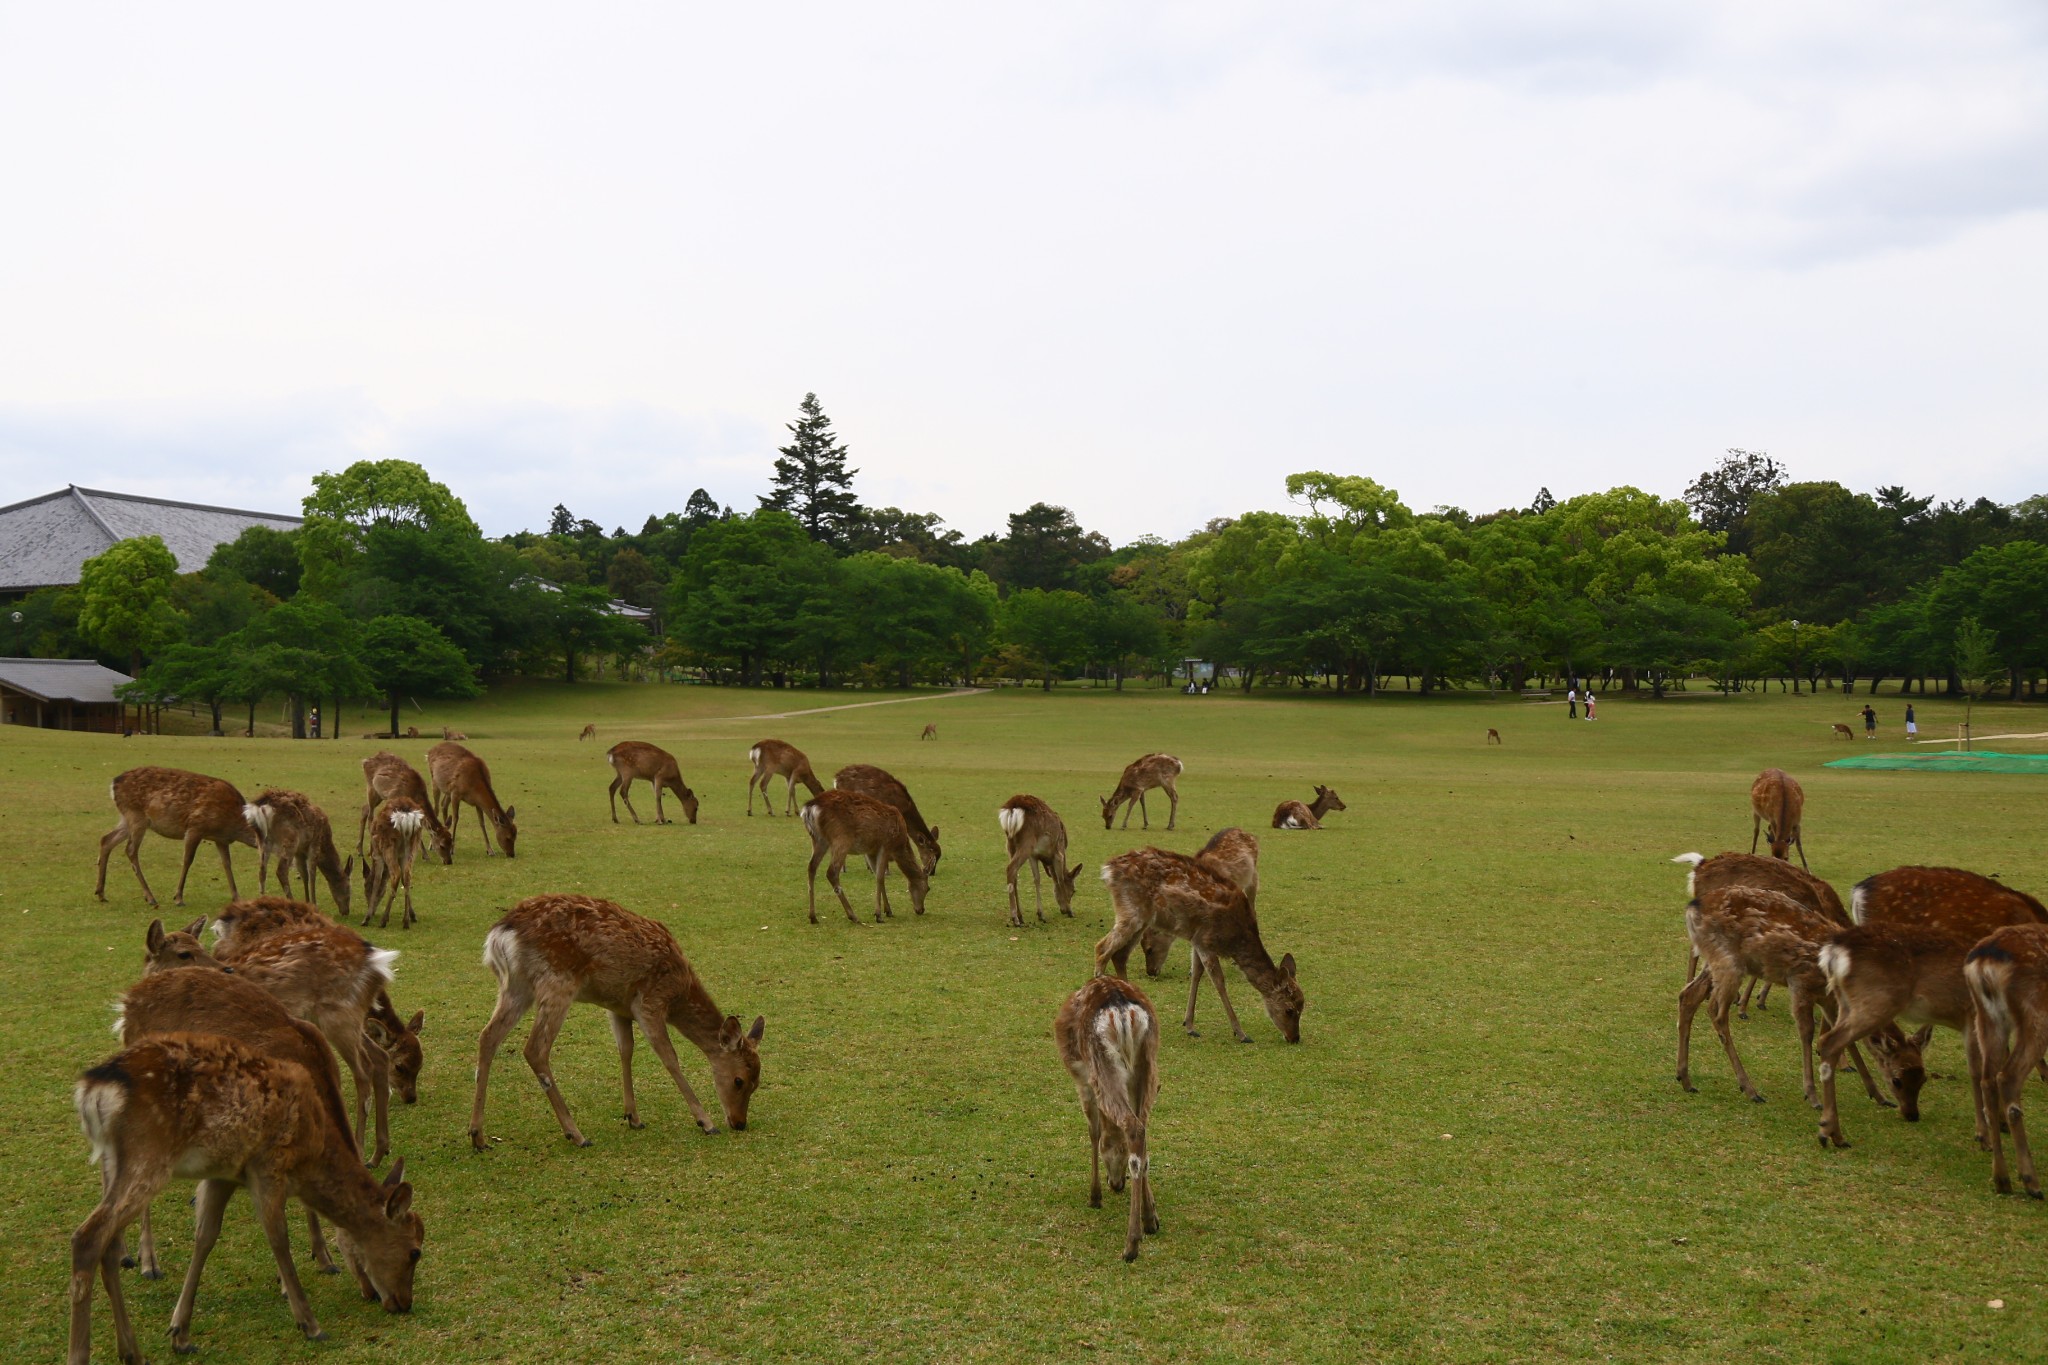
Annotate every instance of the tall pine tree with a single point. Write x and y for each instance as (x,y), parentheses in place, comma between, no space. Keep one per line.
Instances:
(812,482)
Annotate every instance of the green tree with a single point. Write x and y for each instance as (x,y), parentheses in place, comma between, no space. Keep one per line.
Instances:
(403,655)
(1044,548)
(1049,627)
(754,591)
(1977,665)
(2008,584)
(187,672)
(812,482)
(306,649)
(261,556)
(344,508)
(1720,498)
(124,599)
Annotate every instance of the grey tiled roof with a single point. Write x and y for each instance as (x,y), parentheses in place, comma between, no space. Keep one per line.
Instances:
(44,541)
(62,679)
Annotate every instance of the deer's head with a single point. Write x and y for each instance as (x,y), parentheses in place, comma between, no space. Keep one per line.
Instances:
(163,952)
(387,1254)
(1899,1057)
(736,1066)
(1285,1002)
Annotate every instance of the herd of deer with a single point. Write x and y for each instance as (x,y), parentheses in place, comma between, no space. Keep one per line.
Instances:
(1923,945)
(228,1072)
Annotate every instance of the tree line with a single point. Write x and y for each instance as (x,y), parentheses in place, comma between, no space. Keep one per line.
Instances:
(389,589)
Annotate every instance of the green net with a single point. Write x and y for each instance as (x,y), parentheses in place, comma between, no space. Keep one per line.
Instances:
(1949,761)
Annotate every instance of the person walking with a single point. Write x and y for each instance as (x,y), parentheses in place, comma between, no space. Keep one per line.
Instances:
(1912,727)
(1571,701)
(1589,703)
(1869,722)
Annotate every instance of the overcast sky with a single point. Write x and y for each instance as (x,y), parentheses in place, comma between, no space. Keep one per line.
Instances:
(1142,260)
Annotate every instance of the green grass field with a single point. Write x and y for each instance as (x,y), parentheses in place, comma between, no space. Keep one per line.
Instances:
(1477,1153)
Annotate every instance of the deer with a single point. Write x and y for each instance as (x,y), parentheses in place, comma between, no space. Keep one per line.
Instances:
(1108,1037)
(869,780)
(2007,973)
(1775,803)
(631,759)
(1492,735)
(1036,835)
(296,833)
(1843,732)
(1748,932)
(387,871)
(842,823)
(1154,889)
(589,732)
(548,952)
(386,775)
(1232,854)
(1296,815)
(323,973)
(243,922)
(1903,958)
(931,731)
(1769,874)
(1153,770)
(452,736)
(457,778)
(411,732)
(772,758)
(189,807)
(213,1108)
(219,1002)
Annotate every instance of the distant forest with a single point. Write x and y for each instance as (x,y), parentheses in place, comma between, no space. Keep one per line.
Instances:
(390,590)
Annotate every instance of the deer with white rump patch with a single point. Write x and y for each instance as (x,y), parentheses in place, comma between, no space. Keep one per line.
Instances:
(631,760)
(771,759)
(549,952)
(2008,977)
(1297,815)
(387,871)
(212,1108)
(869,780)
(1141,776)
(843,823)
(1777,804)
(458,778)
(296,833)
(1725,870)
(189,807)
(1036,835)
(386,775)
(1153,889)
(1108,1037)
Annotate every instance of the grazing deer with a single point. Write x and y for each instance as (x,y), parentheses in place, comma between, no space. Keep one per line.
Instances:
(1492,735)
(1844,732)
(1036,835)
(1743,931)
(1153,770)
(386,775)
(189,807)
(1776,804)
(217,1002)
(325,974)
(589,732)
(1232,854)
(1152,888)
(453,736)
(1108,1036)
(931,731)
(772,758)
(457,778)
(1295,815)
(2007,973)
(549,952)
(243,922)
(842,823)
(869,780)
(296,833)
(1724,870)
(630,759)
(206,1106)
(394,843)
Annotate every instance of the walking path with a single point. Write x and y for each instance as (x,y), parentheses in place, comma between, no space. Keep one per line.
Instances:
(856,705)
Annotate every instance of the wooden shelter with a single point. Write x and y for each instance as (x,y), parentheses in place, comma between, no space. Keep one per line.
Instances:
(62,694)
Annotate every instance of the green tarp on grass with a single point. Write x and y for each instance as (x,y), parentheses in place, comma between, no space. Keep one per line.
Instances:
(1949,761)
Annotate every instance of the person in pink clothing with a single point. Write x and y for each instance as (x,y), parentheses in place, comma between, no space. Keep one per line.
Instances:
(1589,703)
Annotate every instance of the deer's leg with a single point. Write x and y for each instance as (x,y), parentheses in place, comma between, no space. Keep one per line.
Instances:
(1134,1230)
(1689,1000)
(1216,978)
(1010,875)
(550,1010)
(316,1243)
(372,1068)
(1144,815)
(1718,1007)
(655,1027)
(1094,1114)
(832,870)
(1173,807)
(817,856)
(626,795)
(1988,1046)
(514,997)
(99,890)
(753,782)
(267,1191)
(1756,825)
(789,789)
(227,865)
(211,1202)
(263,870)
(1037,893)
(1114,947)
(405,884)
(622,1034)
(1800,844)
(2027,1054)
(1857,1020)
(1194,988)
(612,794)
(96,1249)
(1987,1112)
(1802,1019)
(880,867)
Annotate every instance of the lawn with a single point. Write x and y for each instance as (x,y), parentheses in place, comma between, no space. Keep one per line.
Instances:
(1477,1153)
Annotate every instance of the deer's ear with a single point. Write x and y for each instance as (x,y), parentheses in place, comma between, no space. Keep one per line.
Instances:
(374,1030)
(417,1023)
(1287,966)
(196,927)
(1076,872)
(760,1027)
(933,830)
(1921,1038)
(348,869)
(396,1175)
(154,938)
(729,1035)
(397,1200)
(511,812)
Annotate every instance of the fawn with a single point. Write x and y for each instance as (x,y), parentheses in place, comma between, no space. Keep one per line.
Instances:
(1108,1037)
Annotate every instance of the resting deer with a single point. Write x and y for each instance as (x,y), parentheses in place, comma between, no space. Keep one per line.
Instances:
(387,871)
(1903,959)
(1725,870)
(217,1002)
(458,778)
(1296,815)
(2007,973)
(453,736)
(189,807)
(772,758)
(1153,770)
(1742,931)
(549,952)
(869,780)
(1036,835)
(243,922)
(1154,889)
(1776,803)
(296,833)
(630,759)
(206,1106)
(589,732)
(386,775)
(411,732)
(323,973)
(931,731)
(842,823)
(1108,1036)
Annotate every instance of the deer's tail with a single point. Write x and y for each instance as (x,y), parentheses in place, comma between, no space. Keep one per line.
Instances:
(1011,819)
(1118,1055)
(408,822)
(258,818)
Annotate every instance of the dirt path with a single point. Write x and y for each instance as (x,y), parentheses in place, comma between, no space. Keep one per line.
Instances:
(857,705)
